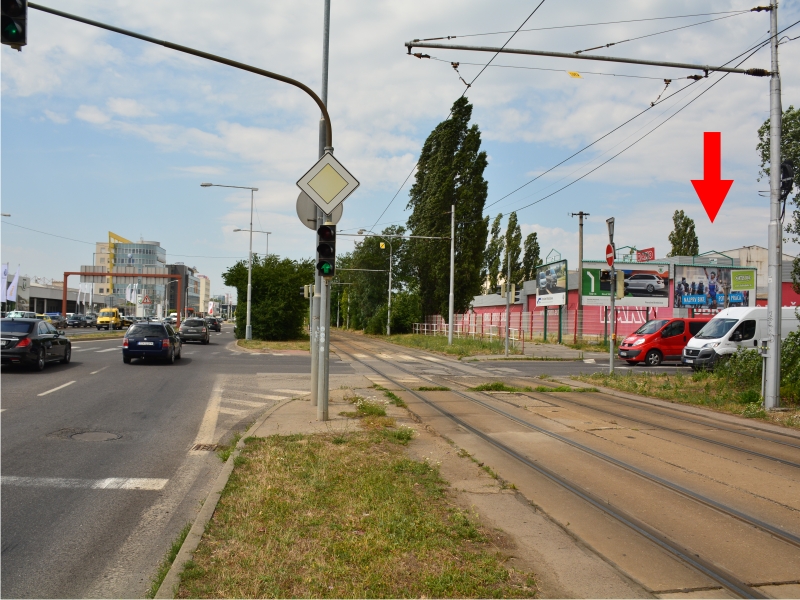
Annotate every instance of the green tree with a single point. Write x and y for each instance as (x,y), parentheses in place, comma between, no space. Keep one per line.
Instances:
(492,255)
(790,149)
(449,172)
(278,310)
(683,238)
(530,258)
(513,250)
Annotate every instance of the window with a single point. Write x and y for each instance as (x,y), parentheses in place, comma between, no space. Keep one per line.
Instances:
(746,328)
(673,329)
(50,328)
(43,328)
(695,327)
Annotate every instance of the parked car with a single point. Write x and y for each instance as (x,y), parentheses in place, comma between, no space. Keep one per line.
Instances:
(731,329)
(90,319)
(33,343)
(214,323)
(109,319)
(77,321)
(20,314)
(151,340)
(659,340)
(644,282)
(58,321)
(194,329)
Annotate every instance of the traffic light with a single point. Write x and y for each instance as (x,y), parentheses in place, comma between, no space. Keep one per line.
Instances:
(620,277)
(787,178)
(307,291)
(14,23)
(326,251)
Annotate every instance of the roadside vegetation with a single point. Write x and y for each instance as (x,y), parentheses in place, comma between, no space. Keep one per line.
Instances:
(462,347)
(301,343)
(734,387)
(166,563)
(343,516)
(100,335)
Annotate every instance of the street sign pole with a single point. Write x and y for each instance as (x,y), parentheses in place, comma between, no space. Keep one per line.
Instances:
(610,256)
(322,384)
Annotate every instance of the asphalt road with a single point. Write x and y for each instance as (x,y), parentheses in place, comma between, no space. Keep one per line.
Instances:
(98,473)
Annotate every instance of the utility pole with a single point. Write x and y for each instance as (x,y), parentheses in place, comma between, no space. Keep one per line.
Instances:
(579,316)
(508,295)
(773,372)
(452,272)
(613,290)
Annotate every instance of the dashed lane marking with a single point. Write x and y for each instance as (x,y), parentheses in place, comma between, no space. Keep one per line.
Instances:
(109,349)
(232,411)
(74,349)
(55,389)
(589,361)
(244,402)
(98,370)
(111,483)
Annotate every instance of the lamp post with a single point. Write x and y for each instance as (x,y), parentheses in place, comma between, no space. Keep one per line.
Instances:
(389,312)
(248,331)
(258,231)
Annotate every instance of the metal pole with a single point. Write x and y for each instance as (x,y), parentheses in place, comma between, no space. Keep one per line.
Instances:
(322,385)
(773,375)
(508,295)
(580,216)
(389,315)
(613,319)
(248,330)
(452,272)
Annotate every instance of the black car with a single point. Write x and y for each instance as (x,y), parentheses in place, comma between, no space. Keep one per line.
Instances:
(194,329)
(77,321)
(214,323)
(151,340)
(32,342)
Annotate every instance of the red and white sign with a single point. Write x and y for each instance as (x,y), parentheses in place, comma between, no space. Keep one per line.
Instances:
(610,255)
(146,300)
(211,308)
(646,255)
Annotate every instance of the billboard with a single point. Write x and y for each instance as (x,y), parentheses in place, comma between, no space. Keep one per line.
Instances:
(710,286)
(646,284)
(551,284)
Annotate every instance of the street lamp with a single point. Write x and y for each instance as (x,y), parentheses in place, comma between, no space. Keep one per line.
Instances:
(248,330)
(258,231)
(389,312)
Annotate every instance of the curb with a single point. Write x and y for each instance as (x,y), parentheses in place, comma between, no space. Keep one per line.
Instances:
(169,586)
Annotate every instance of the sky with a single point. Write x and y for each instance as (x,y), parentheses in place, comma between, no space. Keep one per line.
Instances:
(103,132)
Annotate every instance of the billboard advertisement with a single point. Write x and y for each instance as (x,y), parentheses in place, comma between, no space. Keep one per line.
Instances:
(646,284)
(551,284)
(710,286)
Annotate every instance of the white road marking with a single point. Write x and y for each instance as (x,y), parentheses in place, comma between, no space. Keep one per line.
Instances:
(589,361)
(205,435)
(245,402)
(192,352)
(264,396)
(98,370)
(407,357)
(430,358)
(302,392)
(55,389)
(84,349)
(2,409)
(217,334)
(108,350)
(215,352)
(111,483)
(232,411)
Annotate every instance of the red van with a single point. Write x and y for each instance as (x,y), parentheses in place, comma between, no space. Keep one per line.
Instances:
(659,340)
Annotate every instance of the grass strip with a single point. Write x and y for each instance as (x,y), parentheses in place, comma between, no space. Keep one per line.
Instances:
(299,344)
(393,398)
(433,388)
(225,452)
(460,347)
(305,517)
(166,563)
(563,388)
(498,386)
(701,388)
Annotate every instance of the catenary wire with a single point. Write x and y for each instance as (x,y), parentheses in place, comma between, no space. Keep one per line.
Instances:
(544,69)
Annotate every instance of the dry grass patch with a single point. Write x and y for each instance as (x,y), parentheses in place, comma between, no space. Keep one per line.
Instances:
(346,519)
(301,344)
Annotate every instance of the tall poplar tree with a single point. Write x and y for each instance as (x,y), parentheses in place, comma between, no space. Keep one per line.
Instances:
(683,238)
(449,172)
(494,250)
(513,251)
(530,257)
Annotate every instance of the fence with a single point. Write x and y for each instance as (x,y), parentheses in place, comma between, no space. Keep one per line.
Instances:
(591,325)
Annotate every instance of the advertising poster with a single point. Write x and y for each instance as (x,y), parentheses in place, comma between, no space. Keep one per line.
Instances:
(707,286)
(551,284)
(646,284)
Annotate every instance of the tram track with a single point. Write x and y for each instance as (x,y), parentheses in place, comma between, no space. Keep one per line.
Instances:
(674,547)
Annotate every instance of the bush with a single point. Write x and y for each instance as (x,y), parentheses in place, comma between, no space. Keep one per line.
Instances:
(377,323)
(790,367)
(742,369)
(406,310)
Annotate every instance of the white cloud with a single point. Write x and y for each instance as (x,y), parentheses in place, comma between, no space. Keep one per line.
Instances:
(127,107)
(92,114)
(202,170)
(56,117)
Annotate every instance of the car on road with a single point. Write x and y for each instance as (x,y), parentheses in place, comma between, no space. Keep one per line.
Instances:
(194,330)
(32,343)
(77,321)
(20,314)
(151,340)
(660,340)
(91,319)
(214,323)
(109,319)
(57,320)
(644,282)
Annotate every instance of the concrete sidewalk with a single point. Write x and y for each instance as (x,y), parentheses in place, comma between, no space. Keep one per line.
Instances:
(547,352)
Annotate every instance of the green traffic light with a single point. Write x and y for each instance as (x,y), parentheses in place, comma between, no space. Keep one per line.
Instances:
(327,268)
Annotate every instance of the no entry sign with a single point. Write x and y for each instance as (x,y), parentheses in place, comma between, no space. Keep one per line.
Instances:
(610,255)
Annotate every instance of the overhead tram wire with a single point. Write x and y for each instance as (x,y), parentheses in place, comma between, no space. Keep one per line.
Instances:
(469,85)
(553,70)
(725,12)
(755,47)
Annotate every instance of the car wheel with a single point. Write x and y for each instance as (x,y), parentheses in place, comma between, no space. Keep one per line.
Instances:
(126,360)
(180,350)
(631,362)
(67,356)
(653,358)
(98,328)
(205,341)
(650,288)
(39,364)
(171,359)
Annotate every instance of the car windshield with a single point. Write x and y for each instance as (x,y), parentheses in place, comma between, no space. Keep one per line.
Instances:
(146,331)
(194,323)
(651,326)
(15,327)
(106,313)
(716,328)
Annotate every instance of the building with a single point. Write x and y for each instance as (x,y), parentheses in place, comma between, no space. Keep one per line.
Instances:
(190,291)
(205,293)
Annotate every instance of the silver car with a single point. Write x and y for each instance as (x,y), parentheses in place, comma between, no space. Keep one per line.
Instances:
(645,282)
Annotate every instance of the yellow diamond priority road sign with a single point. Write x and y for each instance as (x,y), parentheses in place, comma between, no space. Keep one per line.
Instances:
(328,183)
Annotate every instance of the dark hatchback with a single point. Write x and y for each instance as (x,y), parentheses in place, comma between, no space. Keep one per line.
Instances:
(151,340)
(32,342)
(77,321)
(194,329)
(214,323)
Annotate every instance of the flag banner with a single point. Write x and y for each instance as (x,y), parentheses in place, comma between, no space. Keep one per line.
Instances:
(11,294)
(5,281)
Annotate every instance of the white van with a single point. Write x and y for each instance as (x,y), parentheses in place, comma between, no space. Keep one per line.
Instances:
(730,329)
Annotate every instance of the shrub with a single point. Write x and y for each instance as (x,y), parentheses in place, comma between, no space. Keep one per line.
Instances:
(743,369)
(377,323)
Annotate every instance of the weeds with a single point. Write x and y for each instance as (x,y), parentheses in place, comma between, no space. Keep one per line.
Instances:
(225,452)
(494,386)
(433,388)
(393,398)
(166,563)
(460,347)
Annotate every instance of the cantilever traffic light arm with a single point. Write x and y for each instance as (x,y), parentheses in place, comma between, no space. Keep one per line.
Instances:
(207,56)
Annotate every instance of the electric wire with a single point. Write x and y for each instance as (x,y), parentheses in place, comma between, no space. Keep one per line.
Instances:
(451,37)
(553,70)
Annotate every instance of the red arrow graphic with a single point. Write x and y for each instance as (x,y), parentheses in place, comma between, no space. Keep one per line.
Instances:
(712,189)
